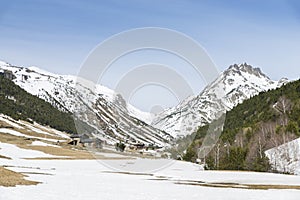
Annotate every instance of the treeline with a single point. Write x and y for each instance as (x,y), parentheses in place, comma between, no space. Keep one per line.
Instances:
(18,104)
(258,124)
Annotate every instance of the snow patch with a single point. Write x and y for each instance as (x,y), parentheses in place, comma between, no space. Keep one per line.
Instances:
(286,158)
(39,143)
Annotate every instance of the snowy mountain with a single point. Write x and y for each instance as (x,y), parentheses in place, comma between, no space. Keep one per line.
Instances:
(108,115)
(113,119)
(237,83)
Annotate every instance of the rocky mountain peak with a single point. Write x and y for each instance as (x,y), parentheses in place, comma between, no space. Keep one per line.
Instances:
(246,68)
(233,86)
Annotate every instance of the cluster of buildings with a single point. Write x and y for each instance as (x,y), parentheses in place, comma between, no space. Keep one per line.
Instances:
(85,141)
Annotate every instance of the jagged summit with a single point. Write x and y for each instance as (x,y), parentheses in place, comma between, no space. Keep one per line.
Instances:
(244,67)
(233,86)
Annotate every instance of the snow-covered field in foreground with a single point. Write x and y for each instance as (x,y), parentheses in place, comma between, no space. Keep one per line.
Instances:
(134,179)
(90,179)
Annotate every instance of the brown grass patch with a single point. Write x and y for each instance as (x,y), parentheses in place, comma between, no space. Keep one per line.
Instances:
(65,150)
(4,125)
(41,135)
(11,139)
(29,132)
(68,152)
(128,173)
(37,173)
(4,157)
(242,186)
(11,179)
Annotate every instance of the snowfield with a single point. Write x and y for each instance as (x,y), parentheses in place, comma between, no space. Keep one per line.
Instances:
(16,153)
(120,177)
(135,179)
(88,179)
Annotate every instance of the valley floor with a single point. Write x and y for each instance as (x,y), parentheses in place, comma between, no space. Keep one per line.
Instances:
(33,166)
(95,179)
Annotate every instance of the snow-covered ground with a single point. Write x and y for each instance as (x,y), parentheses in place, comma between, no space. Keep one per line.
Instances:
(39,143)
(17,154)
(135,179)
(286,157)
(88,179)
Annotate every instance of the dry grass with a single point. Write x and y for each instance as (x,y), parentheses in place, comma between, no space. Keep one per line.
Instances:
(11,139)
(128,173)
(65,150)
(37,134)
(275,187)
(4,125)
(4,157)
(242,186)
(11,179)
(29,132)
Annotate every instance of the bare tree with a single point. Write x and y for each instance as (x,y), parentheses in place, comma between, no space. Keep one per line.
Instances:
(282,106)
(260,147)
(218,155)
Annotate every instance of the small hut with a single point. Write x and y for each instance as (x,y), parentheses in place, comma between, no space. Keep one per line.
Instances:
(85,141)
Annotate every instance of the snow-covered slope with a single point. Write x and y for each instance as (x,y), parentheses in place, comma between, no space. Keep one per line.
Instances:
(115,119)
(286,158)
(35,131)
(110,116)
(233,86)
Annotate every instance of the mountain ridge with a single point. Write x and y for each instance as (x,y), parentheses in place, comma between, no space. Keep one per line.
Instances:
(259,134)
(237,83)
(112,119)
(122,121)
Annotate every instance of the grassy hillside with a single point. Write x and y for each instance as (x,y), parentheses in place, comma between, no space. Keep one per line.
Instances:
(19,104)
(260,123)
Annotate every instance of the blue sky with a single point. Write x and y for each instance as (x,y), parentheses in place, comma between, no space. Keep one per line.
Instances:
(57,35)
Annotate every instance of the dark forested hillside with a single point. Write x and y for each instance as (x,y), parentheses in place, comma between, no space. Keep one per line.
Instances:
(258,124)
(17,103)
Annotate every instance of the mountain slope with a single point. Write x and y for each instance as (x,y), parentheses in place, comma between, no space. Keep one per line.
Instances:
(108,116)
(260,123)
(19,104)
(232,87)
(112,119)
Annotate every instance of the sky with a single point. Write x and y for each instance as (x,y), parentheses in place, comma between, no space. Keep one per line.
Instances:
(58,35)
